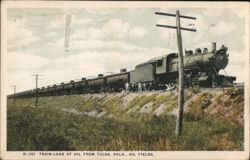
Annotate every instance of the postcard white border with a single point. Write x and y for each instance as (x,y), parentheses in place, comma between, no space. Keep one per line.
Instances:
(123,4)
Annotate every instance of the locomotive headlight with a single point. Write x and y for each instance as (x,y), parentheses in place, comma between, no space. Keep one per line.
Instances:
(221,59)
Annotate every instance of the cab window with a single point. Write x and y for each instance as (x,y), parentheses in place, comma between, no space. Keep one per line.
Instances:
(159,63)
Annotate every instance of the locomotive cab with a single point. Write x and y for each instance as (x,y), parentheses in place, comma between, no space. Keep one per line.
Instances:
(161,65)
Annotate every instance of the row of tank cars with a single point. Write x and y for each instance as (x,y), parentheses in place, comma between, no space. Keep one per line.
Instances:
(200,68)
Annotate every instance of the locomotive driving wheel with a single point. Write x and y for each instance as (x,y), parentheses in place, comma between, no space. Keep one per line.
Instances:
(214,83)
(192,84)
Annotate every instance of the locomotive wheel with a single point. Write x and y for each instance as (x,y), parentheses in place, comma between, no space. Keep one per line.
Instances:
(193,84)
(214,84)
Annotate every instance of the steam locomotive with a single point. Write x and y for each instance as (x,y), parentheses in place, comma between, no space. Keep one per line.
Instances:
(200,68)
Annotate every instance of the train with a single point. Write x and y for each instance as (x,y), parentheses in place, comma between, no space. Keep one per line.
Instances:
(200,68)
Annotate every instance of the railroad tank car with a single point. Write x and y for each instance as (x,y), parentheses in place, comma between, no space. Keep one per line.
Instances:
(39,91)
(69,87)
(59,89)
(21,94)
(96,85)
(80,86)
(49,91)
(26,94)
(33,92)
(46,91)
(42,93)
(116,82)
(18,95)
(52,89)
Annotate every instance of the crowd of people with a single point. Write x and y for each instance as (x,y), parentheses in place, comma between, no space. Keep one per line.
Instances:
(137,87)
(142,87)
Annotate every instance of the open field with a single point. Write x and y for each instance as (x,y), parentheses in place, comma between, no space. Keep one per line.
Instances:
(134,121)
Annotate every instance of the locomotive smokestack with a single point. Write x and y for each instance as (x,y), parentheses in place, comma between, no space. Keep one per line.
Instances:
(214,47)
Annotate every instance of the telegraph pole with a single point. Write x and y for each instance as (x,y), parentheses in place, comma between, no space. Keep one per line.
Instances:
(36,75)
(14,95)
(178,28)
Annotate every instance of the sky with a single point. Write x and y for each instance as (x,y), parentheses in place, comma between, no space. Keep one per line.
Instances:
(105,40)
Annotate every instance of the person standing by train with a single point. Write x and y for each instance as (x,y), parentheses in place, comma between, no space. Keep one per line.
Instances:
(139,87)
(150,86)
(133,86)
(144,87)
(127,87)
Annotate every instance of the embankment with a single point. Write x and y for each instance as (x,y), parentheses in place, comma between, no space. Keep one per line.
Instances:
(213,120)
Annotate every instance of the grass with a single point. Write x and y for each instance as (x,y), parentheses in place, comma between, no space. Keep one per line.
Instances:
(49,128)
(141,100)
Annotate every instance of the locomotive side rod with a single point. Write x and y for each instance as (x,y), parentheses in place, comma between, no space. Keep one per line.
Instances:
(179,119)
